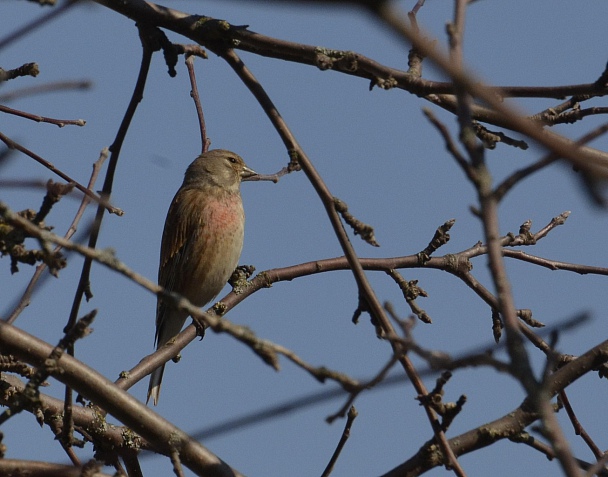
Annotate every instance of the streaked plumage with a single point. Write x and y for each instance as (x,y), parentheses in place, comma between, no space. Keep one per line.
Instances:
(202,241)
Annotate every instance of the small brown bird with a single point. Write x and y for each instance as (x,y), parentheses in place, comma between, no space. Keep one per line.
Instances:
(202,241)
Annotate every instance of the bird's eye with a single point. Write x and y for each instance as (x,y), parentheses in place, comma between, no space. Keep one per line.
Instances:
(232,159)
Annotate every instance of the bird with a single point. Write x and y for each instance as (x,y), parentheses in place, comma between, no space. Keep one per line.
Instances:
(202,241)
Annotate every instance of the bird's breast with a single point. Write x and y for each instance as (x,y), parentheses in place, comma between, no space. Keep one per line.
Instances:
(219,241)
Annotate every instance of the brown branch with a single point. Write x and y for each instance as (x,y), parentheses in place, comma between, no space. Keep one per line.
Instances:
(42,119)
(411,291)
(27,294)
(450,145)
(50,87)
(28,28)
(554,434)
(482,181)
(352,415)
(112,261)
(148,47)
(205,142)
(555,264)
(131,461)
(507,184)
(265,349)
(364,230)
(263,280)
(437,360)
(380,376)
(512,424)
(489,138)
(86,419)
(547,450)
(100,200)
(414,57)
(506,305)
(45,469)
(576,114)
(579,430)
(592,161)
(219,35)
(151,41)
(30,397)
(162,435)
(456,264)
(365,290)
(28,69)
(440,238)
(313,176)
(448,411)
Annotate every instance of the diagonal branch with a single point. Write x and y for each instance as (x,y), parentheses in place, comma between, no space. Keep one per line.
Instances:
(163,435)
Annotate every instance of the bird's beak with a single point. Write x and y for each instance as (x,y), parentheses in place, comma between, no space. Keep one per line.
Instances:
(247,174)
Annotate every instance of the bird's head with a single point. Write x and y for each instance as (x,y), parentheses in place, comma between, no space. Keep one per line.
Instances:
(220,168)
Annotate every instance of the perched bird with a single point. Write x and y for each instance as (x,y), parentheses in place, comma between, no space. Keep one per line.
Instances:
(202,241)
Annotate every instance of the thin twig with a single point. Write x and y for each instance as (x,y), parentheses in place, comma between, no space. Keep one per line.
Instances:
(365,289)
(205,142)
(509,182)
(579,430)
(103,203)
(27,294)
(313,176)
(587,159)
(368,384)
(352,415)
(28,28)
(50,87)
(42,119)
(150,43)
(177,463)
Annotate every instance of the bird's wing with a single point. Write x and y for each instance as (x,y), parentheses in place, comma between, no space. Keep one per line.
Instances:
(181,226)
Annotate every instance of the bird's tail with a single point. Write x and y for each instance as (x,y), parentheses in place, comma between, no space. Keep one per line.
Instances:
(167,327)
(156,379)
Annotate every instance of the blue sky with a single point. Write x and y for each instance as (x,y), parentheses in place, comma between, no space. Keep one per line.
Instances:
(377,152)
